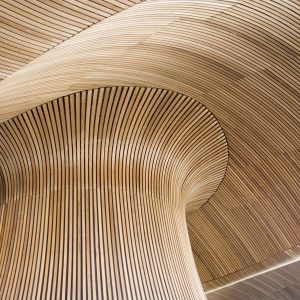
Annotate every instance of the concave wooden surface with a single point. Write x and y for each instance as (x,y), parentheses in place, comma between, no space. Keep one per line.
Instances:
(30,28)
(238,58)
(97,185)
(280,284)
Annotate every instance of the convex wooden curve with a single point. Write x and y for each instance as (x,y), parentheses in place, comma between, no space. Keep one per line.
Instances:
(97,185)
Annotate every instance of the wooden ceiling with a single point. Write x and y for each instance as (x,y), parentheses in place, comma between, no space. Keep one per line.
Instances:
(281,284)
(241,60)
(30,28)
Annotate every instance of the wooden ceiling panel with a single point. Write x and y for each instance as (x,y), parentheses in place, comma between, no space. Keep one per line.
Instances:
(282,283)
(253,216)
(30,28)
(241,60)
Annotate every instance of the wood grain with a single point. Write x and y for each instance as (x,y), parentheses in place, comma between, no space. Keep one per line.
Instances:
(30,28)
(282,284)
(97,185)
(238,58)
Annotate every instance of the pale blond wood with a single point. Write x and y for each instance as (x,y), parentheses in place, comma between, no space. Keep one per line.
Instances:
(241,60)
(97,185)
(282,284)
(30,28)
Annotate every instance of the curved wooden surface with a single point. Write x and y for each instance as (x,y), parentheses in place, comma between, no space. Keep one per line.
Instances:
(97,184)
(280,284)
(30,28)
(238,58)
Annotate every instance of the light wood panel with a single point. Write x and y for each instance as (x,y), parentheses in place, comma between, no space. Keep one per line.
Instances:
(30,28)
(281,284)
(97,184)
(241,60)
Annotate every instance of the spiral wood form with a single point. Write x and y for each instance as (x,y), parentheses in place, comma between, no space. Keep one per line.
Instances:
(239,58)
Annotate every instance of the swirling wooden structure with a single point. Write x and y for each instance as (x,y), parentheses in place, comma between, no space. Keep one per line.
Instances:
(238,58)
(97,185)
(30,28)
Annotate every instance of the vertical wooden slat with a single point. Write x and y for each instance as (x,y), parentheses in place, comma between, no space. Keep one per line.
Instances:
(98,208)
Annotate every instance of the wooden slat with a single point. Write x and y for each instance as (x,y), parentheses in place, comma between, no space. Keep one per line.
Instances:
(96,184)
(30,28)
(238,58)
(282,284)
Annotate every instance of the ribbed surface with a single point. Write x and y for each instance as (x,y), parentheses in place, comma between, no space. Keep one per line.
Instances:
(280,284)
(97,184)
(30,28)
(241,60)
